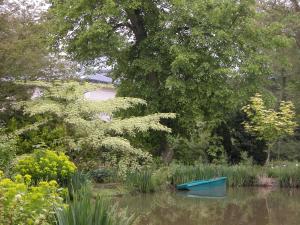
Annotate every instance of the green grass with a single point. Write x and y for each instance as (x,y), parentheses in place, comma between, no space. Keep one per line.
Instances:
(287,176)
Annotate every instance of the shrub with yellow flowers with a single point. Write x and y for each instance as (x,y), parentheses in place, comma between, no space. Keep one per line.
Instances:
(21,203)
(46,165)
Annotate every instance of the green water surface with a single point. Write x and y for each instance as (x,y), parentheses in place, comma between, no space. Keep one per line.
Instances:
(242,206)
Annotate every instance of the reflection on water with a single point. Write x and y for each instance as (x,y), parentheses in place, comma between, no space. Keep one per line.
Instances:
(212,190)
(101,94)
(240,207)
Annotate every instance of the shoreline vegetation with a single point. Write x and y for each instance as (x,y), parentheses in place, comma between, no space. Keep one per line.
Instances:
(166,178)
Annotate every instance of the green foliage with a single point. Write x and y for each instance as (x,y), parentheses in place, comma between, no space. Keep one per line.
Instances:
(84,210)
(101,175)
(23,45)
(267,124)
(50,136)
(78,181)
(242,175)
(140,181)
(24,204)
(186,57)
(7,150)
(86,132)
(245,159)
(46,165)
(287,175)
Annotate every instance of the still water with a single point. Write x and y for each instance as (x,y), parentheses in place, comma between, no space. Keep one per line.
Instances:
(243,206)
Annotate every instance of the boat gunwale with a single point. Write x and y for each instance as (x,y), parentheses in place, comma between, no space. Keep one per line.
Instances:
(200,182)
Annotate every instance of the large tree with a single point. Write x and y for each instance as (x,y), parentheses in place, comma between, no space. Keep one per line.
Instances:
(200,59)
(24,51)
(285,85)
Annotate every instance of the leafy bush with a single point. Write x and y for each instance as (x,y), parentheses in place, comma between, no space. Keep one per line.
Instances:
(83,210)
(22,204)
(46,165)
(7,150)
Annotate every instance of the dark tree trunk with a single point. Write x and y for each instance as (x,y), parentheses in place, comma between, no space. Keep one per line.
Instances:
(165,150)
(137,25)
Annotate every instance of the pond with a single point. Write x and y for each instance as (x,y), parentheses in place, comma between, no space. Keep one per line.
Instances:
(242,206)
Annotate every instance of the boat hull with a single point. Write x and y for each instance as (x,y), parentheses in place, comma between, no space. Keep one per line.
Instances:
(214,187)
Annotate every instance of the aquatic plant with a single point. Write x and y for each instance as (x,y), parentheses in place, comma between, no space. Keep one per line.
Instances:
(78,181)
(287,176)
(140,181)
(83,210)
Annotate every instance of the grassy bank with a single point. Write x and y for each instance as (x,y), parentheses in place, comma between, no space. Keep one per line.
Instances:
(238,176)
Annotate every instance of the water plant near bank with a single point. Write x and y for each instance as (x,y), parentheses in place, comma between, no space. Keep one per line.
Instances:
(287,176)
(140,181)
(83,210)
(238,175)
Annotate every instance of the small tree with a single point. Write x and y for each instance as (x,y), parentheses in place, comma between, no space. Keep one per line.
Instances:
(64,103)
(268,124)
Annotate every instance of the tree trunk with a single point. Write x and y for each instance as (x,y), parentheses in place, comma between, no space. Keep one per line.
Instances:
(268,154)
(165,150)
(137,25)
(268,157)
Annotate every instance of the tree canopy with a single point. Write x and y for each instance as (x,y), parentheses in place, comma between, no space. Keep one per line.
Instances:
(186,57)
(268,124)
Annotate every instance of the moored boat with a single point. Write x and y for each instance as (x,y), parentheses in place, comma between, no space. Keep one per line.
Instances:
(211,187)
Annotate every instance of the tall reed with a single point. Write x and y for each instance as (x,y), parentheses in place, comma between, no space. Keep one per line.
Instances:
(140,181)
(77,181)
(83,210)
(237,175)
(288,176)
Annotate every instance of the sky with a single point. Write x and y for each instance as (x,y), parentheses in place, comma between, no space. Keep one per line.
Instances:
(33,7)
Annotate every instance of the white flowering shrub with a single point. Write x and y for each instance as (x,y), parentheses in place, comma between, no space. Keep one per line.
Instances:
(64,102)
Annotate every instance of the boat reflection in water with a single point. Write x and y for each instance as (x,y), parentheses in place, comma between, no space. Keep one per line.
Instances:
(204,188)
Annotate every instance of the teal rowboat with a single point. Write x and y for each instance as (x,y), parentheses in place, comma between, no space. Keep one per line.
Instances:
(213,187)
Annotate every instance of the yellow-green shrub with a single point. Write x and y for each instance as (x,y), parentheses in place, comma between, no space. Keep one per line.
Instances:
(21,203)
(46,165)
